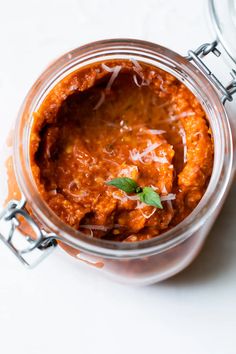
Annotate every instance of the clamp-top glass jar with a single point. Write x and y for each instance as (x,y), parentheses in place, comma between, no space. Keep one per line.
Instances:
(138,262)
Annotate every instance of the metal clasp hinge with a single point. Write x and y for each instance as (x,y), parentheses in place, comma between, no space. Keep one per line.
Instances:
(197,55)
(27,246)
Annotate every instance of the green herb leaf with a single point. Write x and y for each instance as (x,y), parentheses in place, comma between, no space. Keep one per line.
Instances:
(146,195)
(126,184)
(150,197)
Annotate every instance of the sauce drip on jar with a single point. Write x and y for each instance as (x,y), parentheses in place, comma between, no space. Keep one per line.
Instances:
(115,119)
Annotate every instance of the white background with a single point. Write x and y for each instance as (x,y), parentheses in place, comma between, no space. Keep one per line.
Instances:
(62,306)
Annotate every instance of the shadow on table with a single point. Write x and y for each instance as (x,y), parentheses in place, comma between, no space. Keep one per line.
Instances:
(218,255)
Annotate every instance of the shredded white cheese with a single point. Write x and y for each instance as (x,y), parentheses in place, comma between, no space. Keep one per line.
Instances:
(147,216)
(113,77)
(178,116)
(95,227)
(156,131)
(136,81)
(183,137)
(111,161)
(107,68)
(164,190)
(137,66)
(115,72)
(91,233)
(133,197)
(53,192)
(78,195)
(149,149)
(168,197)
(125,198)
(139,70)
(100,101)
(184,115)
(153,187)
(140,205)
(148,154)
(159,159)
(170,207)
(118,197)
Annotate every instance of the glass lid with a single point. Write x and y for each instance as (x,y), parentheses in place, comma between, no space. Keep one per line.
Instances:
(223,19)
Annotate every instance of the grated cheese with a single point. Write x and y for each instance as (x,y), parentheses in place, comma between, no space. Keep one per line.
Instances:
(135,155)
(149,149)
(118,197)
(170,206)
(156,131)
(125,198)
(100,101)
(139,70)
(53,192)
(107,68)
(95,227)
(147,216)
(136,81)
(140,205)
(183,137)
(159,159)
(168,197)
(132,197)
(115,72)
(178,116)
(153,187)
(137,66)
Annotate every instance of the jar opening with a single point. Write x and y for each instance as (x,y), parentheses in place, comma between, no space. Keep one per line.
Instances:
(159,57)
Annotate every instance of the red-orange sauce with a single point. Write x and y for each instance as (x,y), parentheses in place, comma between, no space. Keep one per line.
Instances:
(121,119)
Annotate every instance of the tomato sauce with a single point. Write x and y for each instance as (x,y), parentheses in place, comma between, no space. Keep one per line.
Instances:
(121,119)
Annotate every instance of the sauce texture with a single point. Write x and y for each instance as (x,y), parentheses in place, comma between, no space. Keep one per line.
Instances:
(121,119)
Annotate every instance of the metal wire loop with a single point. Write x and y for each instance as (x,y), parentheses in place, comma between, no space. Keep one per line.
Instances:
(197,55)
(13,215)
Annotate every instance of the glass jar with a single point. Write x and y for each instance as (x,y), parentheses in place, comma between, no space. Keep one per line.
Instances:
(142,262)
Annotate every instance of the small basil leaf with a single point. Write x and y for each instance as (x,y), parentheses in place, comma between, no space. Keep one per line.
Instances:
(150,197)
(126,184)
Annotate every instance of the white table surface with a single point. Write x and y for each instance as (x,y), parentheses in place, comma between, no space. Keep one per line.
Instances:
(62,306)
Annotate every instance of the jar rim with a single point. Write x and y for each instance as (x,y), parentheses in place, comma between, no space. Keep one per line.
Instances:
(160,57)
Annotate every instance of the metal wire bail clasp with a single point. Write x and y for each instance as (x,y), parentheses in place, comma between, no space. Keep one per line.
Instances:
(26,246)
(197,55)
